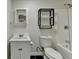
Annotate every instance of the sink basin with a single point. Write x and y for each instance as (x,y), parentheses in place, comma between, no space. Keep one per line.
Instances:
(21,37)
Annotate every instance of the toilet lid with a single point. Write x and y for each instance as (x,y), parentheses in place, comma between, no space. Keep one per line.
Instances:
(51,53)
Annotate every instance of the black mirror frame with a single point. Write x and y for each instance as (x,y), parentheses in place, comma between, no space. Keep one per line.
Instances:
(39,17)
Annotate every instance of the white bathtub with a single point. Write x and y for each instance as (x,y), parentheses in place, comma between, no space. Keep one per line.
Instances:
(66,53)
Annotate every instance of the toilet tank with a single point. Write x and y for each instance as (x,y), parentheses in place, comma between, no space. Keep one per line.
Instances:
(46,41)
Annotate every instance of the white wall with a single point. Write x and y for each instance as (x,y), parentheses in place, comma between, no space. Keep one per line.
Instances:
(33,29)
(9,18)
(9,23)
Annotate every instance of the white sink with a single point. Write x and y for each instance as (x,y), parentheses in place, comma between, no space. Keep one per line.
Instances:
(20,37)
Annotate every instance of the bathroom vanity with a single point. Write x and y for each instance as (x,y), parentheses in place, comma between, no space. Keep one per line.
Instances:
(20,47)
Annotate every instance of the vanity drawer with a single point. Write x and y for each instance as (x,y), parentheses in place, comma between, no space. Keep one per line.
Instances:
(26,44)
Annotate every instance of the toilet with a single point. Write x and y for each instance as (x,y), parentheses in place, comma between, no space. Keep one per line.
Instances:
(45,42)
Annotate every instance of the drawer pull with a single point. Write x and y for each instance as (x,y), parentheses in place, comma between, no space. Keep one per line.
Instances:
(20,49)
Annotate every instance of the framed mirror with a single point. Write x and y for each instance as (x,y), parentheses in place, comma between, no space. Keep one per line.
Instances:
(45,18)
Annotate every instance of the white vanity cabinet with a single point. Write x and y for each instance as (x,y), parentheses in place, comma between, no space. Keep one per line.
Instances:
(20,49)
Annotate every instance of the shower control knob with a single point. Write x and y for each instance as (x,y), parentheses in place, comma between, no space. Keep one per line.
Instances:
(66,27)
(20,49)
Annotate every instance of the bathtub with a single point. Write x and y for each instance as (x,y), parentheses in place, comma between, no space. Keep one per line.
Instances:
(66,53)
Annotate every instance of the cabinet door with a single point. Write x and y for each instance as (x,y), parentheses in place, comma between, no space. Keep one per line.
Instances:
(25,53)
(20,52)
(15,53)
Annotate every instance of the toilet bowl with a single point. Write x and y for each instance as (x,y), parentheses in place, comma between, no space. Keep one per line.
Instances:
(52,54)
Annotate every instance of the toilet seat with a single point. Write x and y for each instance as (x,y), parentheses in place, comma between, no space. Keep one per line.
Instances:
(52,54)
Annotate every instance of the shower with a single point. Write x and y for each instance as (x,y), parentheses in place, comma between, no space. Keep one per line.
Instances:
(69,26)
